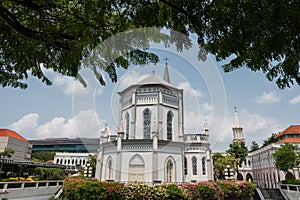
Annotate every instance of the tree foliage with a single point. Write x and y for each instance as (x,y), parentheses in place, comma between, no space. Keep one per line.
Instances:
(254,146)
(239,151)
(42,156)
(7,153)
(285,157)
(262,35)
(220,163)
(270,140)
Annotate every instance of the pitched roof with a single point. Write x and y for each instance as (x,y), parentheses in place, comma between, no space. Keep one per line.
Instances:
(12,134)
(290,140)
(154,79)
(290,130)
(151,80)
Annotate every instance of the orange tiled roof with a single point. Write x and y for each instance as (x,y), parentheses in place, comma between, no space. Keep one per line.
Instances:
(290,130)
(9,133)
(290,140)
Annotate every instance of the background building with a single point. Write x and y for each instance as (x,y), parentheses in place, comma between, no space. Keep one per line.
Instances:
(12,140)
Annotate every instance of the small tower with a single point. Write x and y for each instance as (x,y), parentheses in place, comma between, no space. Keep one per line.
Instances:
(166,73)
(237,129)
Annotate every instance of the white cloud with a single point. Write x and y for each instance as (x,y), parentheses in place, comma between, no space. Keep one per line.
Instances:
(295,100)
(268,97)
(83,124)
(130,78)
(26,124)
(71,86)
(188,90)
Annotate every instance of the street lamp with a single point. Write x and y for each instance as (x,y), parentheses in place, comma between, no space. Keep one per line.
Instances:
(87,170)
(228,172)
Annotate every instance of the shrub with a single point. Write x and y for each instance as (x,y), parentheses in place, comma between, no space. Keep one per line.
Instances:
(43,173)
(77,189)
(292,182)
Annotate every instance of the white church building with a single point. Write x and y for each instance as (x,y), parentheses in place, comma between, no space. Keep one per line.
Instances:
(151,146)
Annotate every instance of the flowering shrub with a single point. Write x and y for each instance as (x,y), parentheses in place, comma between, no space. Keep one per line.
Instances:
(78,189)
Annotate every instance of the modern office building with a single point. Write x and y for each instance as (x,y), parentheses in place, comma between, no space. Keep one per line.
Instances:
(11,140)
(70,145)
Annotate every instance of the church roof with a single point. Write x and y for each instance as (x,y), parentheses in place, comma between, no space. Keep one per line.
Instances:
(12,134)
(154,79)
(293,129)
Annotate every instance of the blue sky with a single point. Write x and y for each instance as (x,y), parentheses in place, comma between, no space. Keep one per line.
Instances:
(66,109)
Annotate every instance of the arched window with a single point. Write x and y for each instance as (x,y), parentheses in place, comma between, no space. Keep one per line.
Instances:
(147,123)
(194,164)
(109,170)
(169,171)
(61,161)
(185,166)
(203,166)
(127,126)
(169,125)
(57,161)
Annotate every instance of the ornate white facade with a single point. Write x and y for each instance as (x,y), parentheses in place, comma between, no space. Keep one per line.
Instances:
(151,145)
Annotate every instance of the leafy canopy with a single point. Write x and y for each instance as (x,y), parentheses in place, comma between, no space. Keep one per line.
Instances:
(262,35)
(254,146)
(221,162)
(285,157)
(239,151)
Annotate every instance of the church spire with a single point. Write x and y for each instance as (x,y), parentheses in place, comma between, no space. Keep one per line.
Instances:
(236,119)
(237,129)
(166,73)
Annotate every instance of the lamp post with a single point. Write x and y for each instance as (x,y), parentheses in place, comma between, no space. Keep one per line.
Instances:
(228,172)
(87,171)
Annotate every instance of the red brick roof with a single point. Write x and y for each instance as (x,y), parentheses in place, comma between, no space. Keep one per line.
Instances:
(290,130)
(290,140)
(12,134)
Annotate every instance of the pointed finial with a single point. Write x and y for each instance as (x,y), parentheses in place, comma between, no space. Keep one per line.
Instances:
(166,59)
(166,73)
(236,119)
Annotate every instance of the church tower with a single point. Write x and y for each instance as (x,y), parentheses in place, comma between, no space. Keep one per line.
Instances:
(237,129)
(152,100)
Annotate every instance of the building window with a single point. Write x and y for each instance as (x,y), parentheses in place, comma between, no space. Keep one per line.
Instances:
(109,170)
(147,123)
(194,164)
(169,125)
(127,126)
(185,166)
(169,171)
(203,166)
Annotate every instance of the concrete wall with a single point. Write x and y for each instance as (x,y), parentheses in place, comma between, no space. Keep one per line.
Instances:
(29,190)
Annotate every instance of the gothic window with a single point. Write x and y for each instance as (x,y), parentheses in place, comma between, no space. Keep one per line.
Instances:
(194,165)
(185,166)
(147,123)
(109,170)
(127,126)
(169,171)
(203,166)
(169,125)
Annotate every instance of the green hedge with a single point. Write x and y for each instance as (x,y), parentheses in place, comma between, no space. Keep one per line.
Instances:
(81,189)
(292,182)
